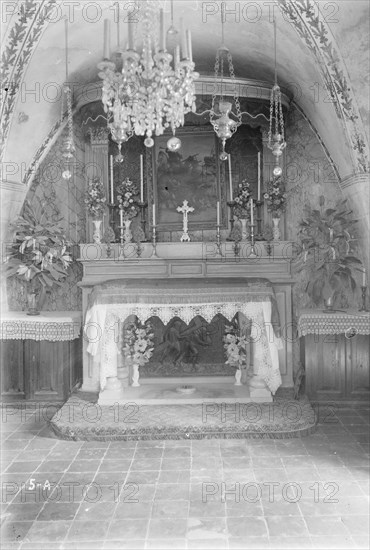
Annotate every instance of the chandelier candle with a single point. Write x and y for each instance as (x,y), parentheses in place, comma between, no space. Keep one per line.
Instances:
(230,178)
(141,179)
(218,213)
(106,54)
(184,49)
(259,177)
(111,180)
(252,221)
(153,215)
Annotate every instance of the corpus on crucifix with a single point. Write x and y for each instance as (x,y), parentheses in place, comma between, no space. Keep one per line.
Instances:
(185,209)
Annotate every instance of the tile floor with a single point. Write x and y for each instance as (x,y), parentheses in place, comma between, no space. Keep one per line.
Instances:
(297,493)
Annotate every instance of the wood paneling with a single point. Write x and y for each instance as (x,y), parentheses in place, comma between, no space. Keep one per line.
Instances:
(337,368)
(40,370)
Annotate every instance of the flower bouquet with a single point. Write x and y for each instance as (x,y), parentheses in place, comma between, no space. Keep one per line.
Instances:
(126,193)
(95,199)
(275,197)
(241,209)
(139,345)
(235,347)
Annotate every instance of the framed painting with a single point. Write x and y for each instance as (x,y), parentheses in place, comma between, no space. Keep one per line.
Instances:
(192,173)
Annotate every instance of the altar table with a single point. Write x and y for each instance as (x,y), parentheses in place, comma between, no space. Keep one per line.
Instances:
(113,302)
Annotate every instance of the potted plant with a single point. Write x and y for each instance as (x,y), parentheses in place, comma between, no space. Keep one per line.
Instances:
(38,256)
(95,202)
(275,198)
(325,253)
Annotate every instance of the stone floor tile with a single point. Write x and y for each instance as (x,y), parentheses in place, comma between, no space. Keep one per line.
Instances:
(142,476)
(175,476)
(205,544)
(180,463)
(206,528)
(361,541)
(243,508)
(117,465)
(170,509)
(172,491)
(167,528)
(23,467)
(138,510)
(175,544)
(321,526)
(90,511)
(15,530)
(199,509)
(357,524)
(128,529)
(335,542)
(44,531)
(241,543)
(88,530)
(296,542)
(248,527)
(130,544)
(176,452)
(283,526)
(57,511)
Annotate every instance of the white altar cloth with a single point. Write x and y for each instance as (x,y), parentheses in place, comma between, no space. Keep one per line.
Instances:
(185,300)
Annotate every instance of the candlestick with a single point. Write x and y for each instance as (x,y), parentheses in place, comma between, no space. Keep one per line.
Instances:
(141,179)
(218,240)
(218,213)
(111,180)
(231,204)
(162,42)
(252,221)
(363,298)
(364,277)
(154,243)
(153,215)
(259,235)
(106,54)
(230,178)
(259,177)
(253,248)
(142,205)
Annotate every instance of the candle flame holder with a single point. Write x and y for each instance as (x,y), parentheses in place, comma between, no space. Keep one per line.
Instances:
(253,253)
(231,205)
(259,235)
(154,242)
(363,298)
(218,241)
(143,206)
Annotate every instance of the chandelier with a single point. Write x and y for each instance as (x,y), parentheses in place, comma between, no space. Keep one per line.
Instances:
(224,125)
(276,138)
(148,91)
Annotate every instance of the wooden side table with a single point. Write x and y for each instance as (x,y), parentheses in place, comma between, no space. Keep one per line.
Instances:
(41,355)
(335,350)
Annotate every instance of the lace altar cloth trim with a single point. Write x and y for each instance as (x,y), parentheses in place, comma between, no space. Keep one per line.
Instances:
(333,323)
(50,326)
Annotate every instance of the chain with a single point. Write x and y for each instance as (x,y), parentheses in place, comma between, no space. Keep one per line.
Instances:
(236,97)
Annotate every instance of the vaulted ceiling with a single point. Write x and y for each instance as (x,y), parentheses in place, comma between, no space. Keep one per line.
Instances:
(322,59)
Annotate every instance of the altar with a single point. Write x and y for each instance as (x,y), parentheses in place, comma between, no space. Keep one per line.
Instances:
(187,288)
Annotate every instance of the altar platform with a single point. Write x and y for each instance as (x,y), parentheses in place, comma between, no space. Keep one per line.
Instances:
(210,390)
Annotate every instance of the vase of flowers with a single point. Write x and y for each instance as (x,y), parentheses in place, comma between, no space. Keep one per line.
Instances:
(127,193)
(139,345)
(275,198)
(241,209)
(236,351)
(38,256)
(95,202)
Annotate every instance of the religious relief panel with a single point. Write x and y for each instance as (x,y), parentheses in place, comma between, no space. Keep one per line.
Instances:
(196,349)
(190,174)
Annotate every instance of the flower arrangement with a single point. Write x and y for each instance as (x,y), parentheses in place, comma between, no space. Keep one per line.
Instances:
(39,253)
(275,196)
(126,193)
(139,342)
(95,199)
(242,200)
(235,347)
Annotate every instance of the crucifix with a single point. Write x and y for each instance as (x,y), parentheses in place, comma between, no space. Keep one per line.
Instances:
(185,209)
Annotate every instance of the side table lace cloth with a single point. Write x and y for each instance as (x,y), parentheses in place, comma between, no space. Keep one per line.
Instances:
(50,326)
(317,322)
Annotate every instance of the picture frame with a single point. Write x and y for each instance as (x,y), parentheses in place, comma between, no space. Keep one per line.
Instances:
(192,173)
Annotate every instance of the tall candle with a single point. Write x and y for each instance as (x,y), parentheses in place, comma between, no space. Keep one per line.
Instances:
(106,54)
(251,211)
(130,32)
(230,178)
(121,217)
(184,49)
(218,213)
(141,178)
(153,214)
(162,42)
(259,177)
(111,180)
(189,46)
(364,277)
